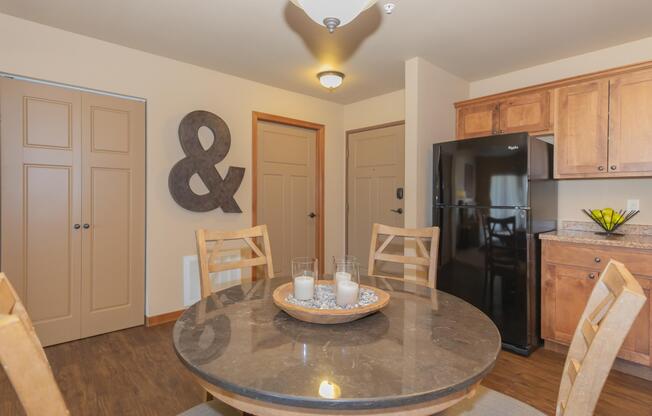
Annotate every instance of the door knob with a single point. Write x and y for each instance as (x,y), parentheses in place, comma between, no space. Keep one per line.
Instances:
(312,215)
(76,226)
(398,211)
(86,226)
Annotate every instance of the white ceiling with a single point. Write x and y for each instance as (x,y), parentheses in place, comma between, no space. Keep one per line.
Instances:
(273,42)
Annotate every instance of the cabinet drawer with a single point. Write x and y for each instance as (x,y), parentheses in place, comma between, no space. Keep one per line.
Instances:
(639,262)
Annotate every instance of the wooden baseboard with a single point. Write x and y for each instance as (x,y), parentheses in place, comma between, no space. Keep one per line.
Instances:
(163,318)
(627,367)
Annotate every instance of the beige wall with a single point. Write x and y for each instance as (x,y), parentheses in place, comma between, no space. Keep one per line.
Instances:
(429,118)
(577,194)
(373,111)
(173,89)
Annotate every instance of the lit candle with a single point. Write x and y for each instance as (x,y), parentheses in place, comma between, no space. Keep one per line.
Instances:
(347,293)
(339,276)
(304,287)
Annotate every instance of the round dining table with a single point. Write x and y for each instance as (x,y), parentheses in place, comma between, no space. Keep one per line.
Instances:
(424,352)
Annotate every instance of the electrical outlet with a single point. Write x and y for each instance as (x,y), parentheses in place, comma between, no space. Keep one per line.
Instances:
(632,204)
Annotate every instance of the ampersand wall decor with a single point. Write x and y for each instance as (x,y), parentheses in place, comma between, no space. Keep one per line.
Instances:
(202,162)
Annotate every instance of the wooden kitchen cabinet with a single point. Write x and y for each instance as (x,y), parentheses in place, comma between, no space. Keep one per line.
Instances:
(581,129)
(602,122)
(513,114)
(477,120)
(630,127)
(569,272)
(525,112)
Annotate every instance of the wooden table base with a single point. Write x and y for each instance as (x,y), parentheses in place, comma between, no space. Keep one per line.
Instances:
(259,408)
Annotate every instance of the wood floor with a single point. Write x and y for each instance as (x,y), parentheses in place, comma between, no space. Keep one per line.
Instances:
(135,372)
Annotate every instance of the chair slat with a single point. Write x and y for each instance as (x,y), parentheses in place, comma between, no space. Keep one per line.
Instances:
(602,309)
(428,258)
(588,331)
(384,245)
(220,267)
(613,281)
(209,263)
(395,258)
(254,247)
(573,369)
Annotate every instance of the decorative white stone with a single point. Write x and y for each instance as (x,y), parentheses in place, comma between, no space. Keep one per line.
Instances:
(325,298)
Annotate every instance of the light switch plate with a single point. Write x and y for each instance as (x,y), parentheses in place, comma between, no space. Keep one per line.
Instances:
(632,204)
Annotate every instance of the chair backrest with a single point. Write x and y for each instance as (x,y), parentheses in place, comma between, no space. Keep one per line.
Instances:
(608,316)
(23,358)
(208,256)
(424,257)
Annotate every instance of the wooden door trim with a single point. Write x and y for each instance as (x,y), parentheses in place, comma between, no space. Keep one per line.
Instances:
(346,171)
(320,131)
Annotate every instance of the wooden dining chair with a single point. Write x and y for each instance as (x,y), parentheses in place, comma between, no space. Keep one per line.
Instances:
(424,257)
(28,369)
(210,242)
(614,304)
(23,358)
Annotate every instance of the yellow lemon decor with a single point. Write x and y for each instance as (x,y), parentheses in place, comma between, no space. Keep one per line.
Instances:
(610,219)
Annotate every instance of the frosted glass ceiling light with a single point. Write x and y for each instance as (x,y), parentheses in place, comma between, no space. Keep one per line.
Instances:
(333,13)
(330,79)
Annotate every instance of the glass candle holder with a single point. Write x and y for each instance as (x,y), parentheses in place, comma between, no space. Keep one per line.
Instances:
(304,277)
(347,283)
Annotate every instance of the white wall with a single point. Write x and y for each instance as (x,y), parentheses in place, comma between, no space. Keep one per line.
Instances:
(373,111)
(429,118)
(172,90)
(577,194)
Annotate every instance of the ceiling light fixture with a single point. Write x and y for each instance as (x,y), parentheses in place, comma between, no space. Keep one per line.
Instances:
(333,13)
(330,79)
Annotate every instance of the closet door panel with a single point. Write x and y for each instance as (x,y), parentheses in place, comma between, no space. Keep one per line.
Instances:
(113,206)
(41,203)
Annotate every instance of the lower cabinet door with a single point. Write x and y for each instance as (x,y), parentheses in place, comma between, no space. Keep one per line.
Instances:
(565,291)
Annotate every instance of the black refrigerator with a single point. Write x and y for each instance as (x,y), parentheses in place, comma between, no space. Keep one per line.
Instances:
(492,197)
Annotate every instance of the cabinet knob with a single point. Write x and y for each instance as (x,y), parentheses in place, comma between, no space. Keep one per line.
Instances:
(591,275)
(600,168)
(597,259)
(86,226)
(76,226)
(614,167)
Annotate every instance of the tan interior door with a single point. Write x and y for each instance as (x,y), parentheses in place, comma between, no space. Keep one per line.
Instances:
(286,191)
(376,170)
(113,209)
(41,190)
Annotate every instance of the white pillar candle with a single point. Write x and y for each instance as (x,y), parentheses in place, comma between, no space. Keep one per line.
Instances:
(339,276)
(304,287)
(347,293)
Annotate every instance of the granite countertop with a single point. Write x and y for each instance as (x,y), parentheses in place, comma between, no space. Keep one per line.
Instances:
(424,345)
(635,236)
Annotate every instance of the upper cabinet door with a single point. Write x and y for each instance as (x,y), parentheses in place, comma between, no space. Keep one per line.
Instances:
(581,129)
(630,127)
(527,112)
(477,120)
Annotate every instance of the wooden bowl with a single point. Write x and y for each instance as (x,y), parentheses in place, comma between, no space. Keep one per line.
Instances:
(327,316)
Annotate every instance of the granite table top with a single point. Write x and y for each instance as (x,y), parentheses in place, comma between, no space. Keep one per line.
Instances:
(424,345)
